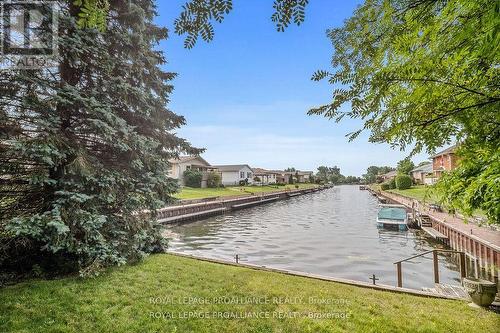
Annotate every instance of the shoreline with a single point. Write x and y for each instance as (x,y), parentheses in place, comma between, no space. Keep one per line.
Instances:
(361,284)
(194,211)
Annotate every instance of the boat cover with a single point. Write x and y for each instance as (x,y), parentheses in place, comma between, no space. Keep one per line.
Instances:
(392,213)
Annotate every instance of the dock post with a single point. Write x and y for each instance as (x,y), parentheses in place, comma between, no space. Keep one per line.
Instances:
(400,275)
(436,266)
(463,273)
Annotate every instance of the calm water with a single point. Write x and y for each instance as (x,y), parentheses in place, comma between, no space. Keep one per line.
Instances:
(331,233)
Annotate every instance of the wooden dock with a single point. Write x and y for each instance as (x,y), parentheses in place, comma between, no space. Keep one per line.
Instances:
(480,243)
(434,233)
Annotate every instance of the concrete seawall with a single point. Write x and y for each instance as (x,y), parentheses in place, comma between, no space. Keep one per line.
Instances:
(193,211)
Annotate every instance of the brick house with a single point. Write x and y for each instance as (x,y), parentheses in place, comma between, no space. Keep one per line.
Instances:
(445,160)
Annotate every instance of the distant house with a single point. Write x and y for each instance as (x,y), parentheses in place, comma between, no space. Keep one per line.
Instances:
(298,176)
(266,176)
(388,175)
(281,176)
(233,174)
(305,176)
(423,174)
(445,160)
(286,175)
(183,163)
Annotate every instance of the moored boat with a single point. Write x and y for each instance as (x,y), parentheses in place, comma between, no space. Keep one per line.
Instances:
(392,216)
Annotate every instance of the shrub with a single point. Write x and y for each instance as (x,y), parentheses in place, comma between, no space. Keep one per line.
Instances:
(214,179)
(385,186)
(192,178)
(392,183)
(256,179)
(243,182)
(297,186)
(403,182)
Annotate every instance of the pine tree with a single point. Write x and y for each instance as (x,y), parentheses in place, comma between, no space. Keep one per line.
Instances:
(84,146)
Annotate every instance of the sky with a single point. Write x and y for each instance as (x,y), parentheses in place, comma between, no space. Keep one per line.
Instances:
(245,95)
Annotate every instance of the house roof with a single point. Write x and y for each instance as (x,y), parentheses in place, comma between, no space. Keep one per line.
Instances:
(449,150)
(232,167)
(184,159)
(278,172)
(301,173)
(260,171)
(390,173)
(423,168)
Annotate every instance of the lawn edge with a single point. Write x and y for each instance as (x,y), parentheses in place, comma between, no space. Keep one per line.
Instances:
(379,287)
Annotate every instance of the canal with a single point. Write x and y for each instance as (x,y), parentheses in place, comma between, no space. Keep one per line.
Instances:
(332,233)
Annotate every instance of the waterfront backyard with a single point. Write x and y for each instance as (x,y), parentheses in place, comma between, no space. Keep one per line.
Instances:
(137,298)
(184,166)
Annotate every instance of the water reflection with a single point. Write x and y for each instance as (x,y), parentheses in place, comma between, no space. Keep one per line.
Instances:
(332,233)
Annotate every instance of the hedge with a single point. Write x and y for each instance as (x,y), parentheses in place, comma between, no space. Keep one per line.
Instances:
(385,186)
(403,182)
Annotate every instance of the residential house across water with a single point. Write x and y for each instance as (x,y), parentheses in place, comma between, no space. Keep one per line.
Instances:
(233,174)
(266,176)
(183,163)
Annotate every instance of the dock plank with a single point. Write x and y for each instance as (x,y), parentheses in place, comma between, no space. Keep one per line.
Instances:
(434,233)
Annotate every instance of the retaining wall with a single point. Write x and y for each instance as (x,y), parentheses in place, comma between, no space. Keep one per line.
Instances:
(192,209)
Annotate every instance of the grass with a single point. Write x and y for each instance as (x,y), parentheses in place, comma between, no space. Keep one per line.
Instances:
(200,193)
(129,299)
(424,194)
(419,192)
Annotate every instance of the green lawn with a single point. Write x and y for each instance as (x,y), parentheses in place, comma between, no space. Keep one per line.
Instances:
(424,194)
(199,193)
(129,298)
(421,193)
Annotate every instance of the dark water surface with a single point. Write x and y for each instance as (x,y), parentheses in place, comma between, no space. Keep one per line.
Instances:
(332,233)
